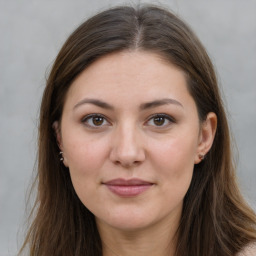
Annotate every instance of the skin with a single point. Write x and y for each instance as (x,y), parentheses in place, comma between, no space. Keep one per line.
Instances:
(129,141)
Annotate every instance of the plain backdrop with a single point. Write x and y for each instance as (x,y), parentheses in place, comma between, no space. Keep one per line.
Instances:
(32,33)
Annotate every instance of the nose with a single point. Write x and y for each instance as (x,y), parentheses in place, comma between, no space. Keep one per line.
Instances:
(127,147)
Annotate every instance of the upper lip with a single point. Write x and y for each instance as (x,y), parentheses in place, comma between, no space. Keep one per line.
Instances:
(127,182)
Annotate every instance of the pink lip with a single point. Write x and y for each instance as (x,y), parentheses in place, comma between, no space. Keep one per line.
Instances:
(128,188)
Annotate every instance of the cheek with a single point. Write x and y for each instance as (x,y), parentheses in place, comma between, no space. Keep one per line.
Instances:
(85,159)
(175,159)
(85,154)
(178,151)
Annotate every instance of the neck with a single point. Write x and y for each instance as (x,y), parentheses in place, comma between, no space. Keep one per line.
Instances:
(150,241)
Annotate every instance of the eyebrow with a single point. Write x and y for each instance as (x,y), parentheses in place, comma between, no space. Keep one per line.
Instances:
(144,106)
(160,102)
(96,102)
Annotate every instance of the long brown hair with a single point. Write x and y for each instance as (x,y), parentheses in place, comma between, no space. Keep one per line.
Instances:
(215,218)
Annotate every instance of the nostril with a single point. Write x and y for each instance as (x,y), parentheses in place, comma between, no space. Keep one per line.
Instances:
(127,151)
(127,164)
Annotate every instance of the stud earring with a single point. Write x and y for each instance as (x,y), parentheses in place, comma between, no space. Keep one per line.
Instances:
(61,156)
(201,156)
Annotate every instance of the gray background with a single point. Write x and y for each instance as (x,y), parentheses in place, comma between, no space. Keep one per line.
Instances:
(31,34)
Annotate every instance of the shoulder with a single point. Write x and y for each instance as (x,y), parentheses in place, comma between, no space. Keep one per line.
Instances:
(249,250)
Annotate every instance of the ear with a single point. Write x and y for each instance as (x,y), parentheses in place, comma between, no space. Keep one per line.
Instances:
(206,137)
(56,128)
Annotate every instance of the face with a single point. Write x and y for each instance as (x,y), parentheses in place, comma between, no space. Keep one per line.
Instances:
(130,135)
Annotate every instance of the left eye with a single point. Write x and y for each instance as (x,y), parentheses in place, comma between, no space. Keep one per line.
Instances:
(95,121)
(160,120)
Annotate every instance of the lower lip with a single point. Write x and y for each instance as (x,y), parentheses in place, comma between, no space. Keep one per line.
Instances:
(128,191)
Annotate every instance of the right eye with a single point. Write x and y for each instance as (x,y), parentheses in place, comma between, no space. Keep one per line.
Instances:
(160,121)
(95,121)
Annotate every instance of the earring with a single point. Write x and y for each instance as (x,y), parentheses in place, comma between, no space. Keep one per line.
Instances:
(61,156)
(201,156)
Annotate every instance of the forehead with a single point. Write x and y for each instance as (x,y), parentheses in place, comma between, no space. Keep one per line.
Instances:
(130,75)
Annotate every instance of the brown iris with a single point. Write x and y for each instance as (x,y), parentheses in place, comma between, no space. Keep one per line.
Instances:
(97,120)
(159,120)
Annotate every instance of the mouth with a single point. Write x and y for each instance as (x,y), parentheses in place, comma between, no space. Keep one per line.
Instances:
(128,188)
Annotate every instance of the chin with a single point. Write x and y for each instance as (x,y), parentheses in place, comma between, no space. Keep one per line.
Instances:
(126,220)
(132,220)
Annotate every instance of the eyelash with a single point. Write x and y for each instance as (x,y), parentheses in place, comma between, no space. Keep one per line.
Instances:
(90,117)
(87,118)
(166,117)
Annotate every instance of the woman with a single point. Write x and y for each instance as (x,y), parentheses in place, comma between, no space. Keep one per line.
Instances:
(134,149)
